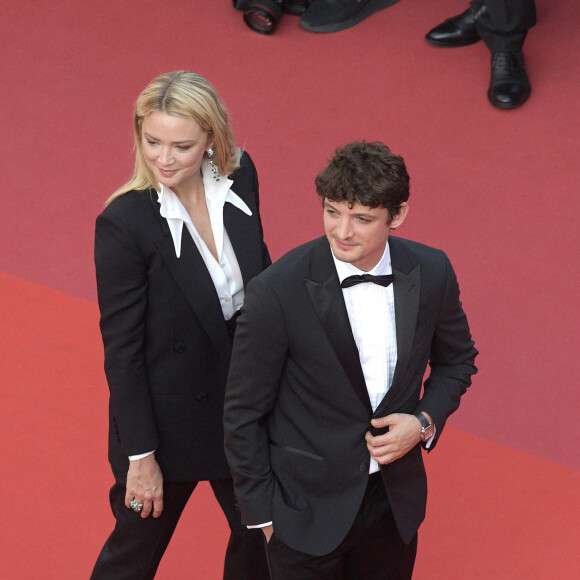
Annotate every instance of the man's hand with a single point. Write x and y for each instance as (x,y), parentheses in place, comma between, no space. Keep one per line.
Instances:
(404,433)
(145,484)
(268,531)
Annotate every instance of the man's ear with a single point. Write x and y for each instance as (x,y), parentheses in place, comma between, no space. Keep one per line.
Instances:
(400,216)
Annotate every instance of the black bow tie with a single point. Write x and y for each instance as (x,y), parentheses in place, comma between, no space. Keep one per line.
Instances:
(381,280)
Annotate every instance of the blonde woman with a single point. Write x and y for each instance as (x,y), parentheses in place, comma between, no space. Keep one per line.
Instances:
(174,249)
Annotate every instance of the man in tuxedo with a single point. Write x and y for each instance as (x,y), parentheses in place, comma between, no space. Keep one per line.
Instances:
(503,25)
(324,412)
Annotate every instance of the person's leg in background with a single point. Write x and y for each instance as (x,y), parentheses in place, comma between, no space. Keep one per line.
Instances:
(502,25)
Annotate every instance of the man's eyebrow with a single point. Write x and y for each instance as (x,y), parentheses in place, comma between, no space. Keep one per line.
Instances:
(329,205)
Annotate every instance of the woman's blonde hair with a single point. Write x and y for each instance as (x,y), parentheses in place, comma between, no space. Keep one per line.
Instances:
(188,95)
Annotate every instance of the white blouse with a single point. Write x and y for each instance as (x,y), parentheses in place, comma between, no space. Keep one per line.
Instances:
(225,272)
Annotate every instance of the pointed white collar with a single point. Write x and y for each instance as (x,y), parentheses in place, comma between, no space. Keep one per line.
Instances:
(217,193)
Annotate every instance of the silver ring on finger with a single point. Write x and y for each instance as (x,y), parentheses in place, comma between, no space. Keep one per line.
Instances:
(135,505)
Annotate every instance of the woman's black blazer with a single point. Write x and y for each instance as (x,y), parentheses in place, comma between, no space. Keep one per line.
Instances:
(167,348)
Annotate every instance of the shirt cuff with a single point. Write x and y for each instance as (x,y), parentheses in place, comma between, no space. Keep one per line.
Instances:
(140,456)
(430,440)
(259,526)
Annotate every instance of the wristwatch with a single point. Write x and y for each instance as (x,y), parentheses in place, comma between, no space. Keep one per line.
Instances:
(427,428)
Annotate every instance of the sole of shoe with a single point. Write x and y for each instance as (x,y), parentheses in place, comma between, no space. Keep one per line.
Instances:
(443,44)
(367,11)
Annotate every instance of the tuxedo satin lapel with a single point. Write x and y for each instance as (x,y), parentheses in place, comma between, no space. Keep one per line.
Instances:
(190,273)
(328,301)
(406,288)
(407,293)
(242,233)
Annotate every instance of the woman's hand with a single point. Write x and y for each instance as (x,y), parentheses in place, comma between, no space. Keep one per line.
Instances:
(145,486)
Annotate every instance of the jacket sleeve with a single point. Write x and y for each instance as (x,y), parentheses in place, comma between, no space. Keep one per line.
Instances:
(122,293)
(247,160)
(452,357)
(258,358)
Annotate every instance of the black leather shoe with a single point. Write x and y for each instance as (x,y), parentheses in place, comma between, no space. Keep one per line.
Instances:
(459,30)
(509,86)
(335,15)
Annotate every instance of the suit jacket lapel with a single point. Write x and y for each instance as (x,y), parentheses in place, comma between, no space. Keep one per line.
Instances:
(326,295)
(406,288)
(191,275)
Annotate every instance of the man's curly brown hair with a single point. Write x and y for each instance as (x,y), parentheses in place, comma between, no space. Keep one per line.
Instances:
(367,173)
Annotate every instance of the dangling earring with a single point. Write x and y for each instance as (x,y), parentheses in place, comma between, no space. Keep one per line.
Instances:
(213,166)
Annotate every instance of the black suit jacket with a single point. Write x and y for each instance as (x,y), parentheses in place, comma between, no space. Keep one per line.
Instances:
(167,348)
(297,407)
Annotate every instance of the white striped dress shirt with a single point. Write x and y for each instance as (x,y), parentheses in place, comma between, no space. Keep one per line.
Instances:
(371,312)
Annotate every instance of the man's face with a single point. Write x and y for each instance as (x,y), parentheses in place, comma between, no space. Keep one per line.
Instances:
(358,234)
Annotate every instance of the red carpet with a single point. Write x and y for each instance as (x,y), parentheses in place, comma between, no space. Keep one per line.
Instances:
(496,189)
(492,511)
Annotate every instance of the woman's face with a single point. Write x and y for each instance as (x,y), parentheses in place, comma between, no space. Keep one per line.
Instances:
(173,148)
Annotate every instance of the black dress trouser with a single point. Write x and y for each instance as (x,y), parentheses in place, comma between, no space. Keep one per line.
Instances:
(504,24)
(136,545)
(372,549)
